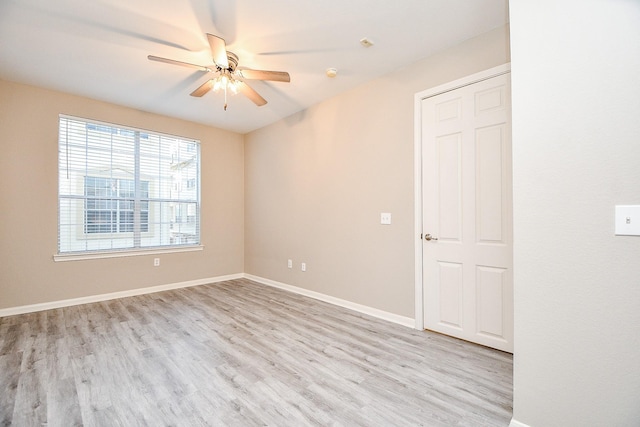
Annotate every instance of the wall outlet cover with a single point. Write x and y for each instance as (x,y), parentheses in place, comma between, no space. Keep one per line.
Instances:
(385,218)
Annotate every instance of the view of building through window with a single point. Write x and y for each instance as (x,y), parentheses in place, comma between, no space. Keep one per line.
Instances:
(109,205)
(122,188)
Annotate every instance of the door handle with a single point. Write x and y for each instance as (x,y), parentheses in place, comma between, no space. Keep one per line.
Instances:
(428,237)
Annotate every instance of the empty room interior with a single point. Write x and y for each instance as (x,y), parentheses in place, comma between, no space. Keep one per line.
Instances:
(347,213)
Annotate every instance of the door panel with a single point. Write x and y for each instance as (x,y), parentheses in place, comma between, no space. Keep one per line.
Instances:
(450,284)
(449,110)
(490,198)
(449,187)
(490,292)
(467,204)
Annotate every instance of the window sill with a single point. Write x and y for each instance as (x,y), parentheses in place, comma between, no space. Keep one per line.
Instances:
(124,253)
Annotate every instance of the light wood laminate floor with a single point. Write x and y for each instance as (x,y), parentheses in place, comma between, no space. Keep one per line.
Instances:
(238,353)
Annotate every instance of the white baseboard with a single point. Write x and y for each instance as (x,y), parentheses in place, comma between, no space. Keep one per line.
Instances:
(113,295)
(380,314)
(515,423)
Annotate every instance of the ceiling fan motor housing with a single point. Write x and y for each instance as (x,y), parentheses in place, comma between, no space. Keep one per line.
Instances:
(233,61)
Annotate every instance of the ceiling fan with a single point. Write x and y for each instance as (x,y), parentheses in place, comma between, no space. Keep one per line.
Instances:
(227,76)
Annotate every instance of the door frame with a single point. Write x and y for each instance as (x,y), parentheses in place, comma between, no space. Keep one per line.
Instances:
(417,156)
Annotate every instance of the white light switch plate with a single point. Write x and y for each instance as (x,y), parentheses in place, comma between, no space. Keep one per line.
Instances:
(385,218)
(627,220)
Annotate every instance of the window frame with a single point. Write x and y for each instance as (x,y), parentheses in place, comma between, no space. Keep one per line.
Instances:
(162,202)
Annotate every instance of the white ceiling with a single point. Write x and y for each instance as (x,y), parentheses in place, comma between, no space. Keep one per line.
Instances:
(99,48)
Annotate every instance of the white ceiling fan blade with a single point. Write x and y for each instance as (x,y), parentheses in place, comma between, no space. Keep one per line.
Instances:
(203,89)
(254,96)
(174,62)
(276,76)
(218,50)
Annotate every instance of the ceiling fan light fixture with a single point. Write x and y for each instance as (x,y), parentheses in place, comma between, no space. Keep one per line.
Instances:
(225,81)
(233,86)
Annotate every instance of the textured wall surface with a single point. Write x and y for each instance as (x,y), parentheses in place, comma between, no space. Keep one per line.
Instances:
(576,150)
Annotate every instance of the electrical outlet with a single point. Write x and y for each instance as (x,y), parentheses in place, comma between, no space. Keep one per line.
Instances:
(290,263)
(385,218)
(303,266)
(156,262)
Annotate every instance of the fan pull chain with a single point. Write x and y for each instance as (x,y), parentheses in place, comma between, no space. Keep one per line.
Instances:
(225,97)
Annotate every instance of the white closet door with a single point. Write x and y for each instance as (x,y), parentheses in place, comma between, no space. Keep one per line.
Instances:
(467,207)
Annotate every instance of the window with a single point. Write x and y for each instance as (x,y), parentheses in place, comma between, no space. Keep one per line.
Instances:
(109,205)
(123,189)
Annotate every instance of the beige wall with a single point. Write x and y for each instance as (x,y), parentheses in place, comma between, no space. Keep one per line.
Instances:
(576,154)
(316,183)
(28,203)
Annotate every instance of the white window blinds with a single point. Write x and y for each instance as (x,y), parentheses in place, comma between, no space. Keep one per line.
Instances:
(125,189)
